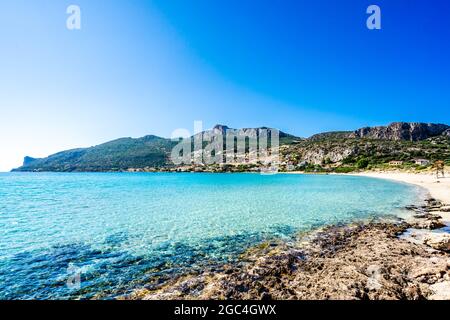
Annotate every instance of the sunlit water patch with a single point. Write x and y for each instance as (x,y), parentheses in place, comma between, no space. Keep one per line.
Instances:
(117,231)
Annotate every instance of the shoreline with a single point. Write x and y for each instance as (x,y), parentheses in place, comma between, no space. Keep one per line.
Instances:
(438,189)
(404,259)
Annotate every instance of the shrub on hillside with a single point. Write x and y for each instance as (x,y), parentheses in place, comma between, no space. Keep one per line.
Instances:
(362,163)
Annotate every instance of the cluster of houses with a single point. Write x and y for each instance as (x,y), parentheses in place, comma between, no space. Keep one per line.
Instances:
(419,162)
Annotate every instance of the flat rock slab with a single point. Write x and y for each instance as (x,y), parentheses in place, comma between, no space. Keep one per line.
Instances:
(438,241)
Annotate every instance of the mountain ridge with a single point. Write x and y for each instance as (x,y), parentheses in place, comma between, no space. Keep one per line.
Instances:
(152,151)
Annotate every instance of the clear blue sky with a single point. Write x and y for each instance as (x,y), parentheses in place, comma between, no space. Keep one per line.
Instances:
(150,67)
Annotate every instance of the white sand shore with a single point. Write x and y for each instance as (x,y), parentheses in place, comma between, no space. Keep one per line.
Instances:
(438,189)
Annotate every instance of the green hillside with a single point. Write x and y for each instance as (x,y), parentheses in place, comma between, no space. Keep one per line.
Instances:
(115,155)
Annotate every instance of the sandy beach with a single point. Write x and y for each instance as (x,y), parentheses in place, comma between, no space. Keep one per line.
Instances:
(438,188)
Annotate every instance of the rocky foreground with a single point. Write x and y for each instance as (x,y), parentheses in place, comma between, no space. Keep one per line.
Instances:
(377,260)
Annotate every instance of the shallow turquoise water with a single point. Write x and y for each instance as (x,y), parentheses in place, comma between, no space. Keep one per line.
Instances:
(118,230)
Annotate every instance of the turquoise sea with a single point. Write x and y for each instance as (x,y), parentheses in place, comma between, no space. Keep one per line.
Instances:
(119,231)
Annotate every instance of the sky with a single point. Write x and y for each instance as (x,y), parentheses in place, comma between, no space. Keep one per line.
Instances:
(150,67)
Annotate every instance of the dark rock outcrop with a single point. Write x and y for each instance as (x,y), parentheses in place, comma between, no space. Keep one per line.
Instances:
(221,127)
(413,131)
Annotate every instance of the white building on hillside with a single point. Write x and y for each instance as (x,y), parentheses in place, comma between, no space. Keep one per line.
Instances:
(422,162)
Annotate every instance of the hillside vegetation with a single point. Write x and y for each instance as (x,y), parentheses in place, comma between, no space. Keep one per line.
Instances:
(116,155)
(343,154)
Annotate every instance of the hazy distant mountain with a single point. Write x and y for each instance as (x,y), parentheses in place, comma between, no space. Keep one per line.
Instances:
(399,140)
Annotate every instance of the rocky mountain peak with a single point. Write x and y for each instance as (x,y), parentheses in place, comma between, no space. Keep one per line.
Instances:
(221,127)
(406,131)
